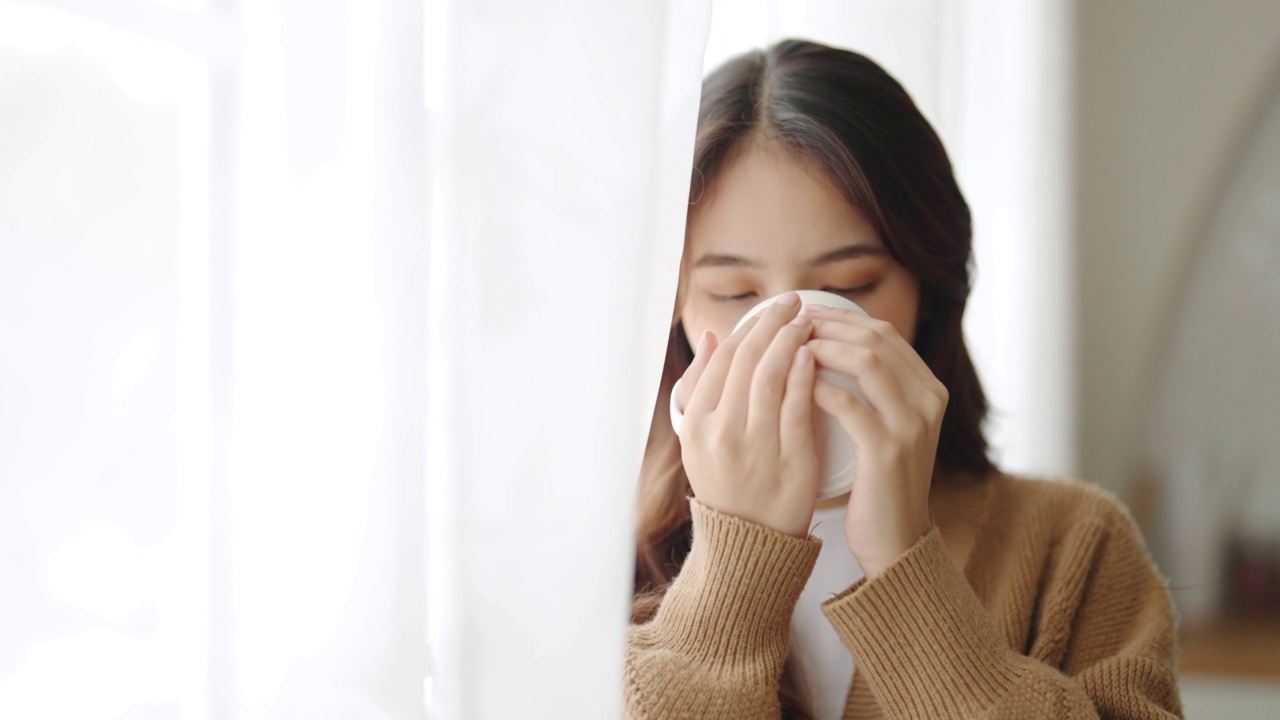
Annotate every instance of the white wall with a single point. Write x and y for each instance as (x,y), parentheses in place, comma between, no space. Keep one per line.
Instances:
(1164,89)
(1210,435)
(1224,697)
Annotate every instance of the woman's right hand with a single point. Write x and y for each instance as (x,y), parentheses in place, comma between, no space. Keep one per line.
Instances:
(746,438)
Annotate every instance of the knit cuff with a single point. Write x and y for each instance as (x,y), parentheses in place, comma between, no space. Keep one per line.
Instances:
(735,594)
(922,637)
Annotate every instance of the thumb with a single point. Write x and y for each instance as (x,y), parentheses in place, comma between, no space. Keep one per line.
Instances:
(701,356)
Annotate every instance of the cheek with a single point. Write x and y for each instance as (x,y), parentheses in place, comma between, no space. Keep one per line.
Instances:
(903,319)
(906,328)
(897,308)
(719,320)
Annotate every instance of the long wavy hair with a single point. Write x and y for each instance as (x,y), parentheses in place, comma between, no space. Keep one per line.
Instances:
(843,113)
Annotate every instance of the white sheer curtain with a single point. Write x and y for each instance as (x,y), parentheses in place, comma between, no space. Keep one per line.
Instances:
(1005,112)
(325,547)
(212,267)
(565,135)
(228,412)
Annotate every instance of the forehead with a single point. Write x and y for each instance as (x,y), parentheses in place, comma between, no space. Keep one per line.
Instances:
(769,205)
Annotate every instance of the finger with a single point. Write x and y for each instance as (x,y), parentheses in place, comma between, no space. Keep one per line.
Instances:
(923,388)
(886,331)
(795,416)
(858,420)
(850,331)
(688,381)
(770,379)
(920,393)
(737,385)
(706,396)
(875,378)
(935,391)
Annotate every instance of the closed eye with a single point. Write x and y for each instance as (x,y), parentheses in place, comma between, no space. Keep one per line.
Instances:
(840,291)
(849,291)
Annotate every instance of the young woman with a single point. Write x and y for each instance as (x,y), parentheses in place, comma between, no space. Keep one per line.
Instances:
(940,587)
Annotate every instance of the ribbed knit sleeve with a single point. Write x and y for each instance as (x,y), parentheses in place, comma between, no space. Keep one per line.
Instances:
(928,648)
(716,646)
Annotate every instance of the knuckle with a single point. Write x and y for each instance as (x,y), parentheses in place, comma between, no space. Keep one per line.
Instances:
(769,374)
(751,349)
(934,407)
(916,426)
(691,427)
(797,333)
(713,433)
(842,399)
(720,438)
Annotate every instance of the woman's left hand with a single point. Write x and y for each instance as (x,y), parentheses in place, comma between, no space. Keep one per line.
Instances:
(895,433)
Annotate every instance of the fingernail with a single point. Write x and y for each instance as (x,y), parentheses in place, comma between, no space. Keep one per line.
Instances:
(816,309)
(702,343)
(789,298)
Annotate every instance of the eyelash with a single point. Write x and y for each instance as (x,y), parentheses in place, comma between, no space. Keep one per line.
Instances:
(839,291)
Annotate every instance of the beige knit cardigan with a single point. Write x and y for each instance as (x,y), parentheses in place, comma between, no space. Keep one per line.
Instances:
(1029,598)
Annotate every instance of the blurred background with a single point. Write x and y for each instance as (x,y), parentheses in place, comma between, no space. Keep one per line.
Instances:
(254,255)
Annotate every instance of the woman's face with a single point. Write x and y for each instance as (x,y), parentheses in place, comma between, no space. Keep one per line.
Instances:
(772,224)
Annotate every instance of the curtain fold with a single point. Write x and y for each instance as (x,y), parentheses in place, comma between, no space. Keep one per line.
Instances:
(323,544)
(563,145)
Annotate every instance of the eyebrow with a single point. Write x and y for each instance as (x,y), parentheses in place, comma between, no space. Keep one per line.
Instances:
(844,253)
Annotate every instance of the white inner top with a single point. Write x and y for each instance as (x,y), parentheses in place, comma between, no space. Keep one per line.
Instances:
(824,664)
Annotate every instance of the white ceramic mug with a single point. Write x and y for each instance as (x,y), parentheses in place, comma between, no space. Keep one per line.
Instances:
(831,441)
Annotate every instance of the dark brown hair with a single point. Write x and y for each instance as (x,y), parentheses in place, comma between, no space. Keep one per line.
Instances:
(842,113)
